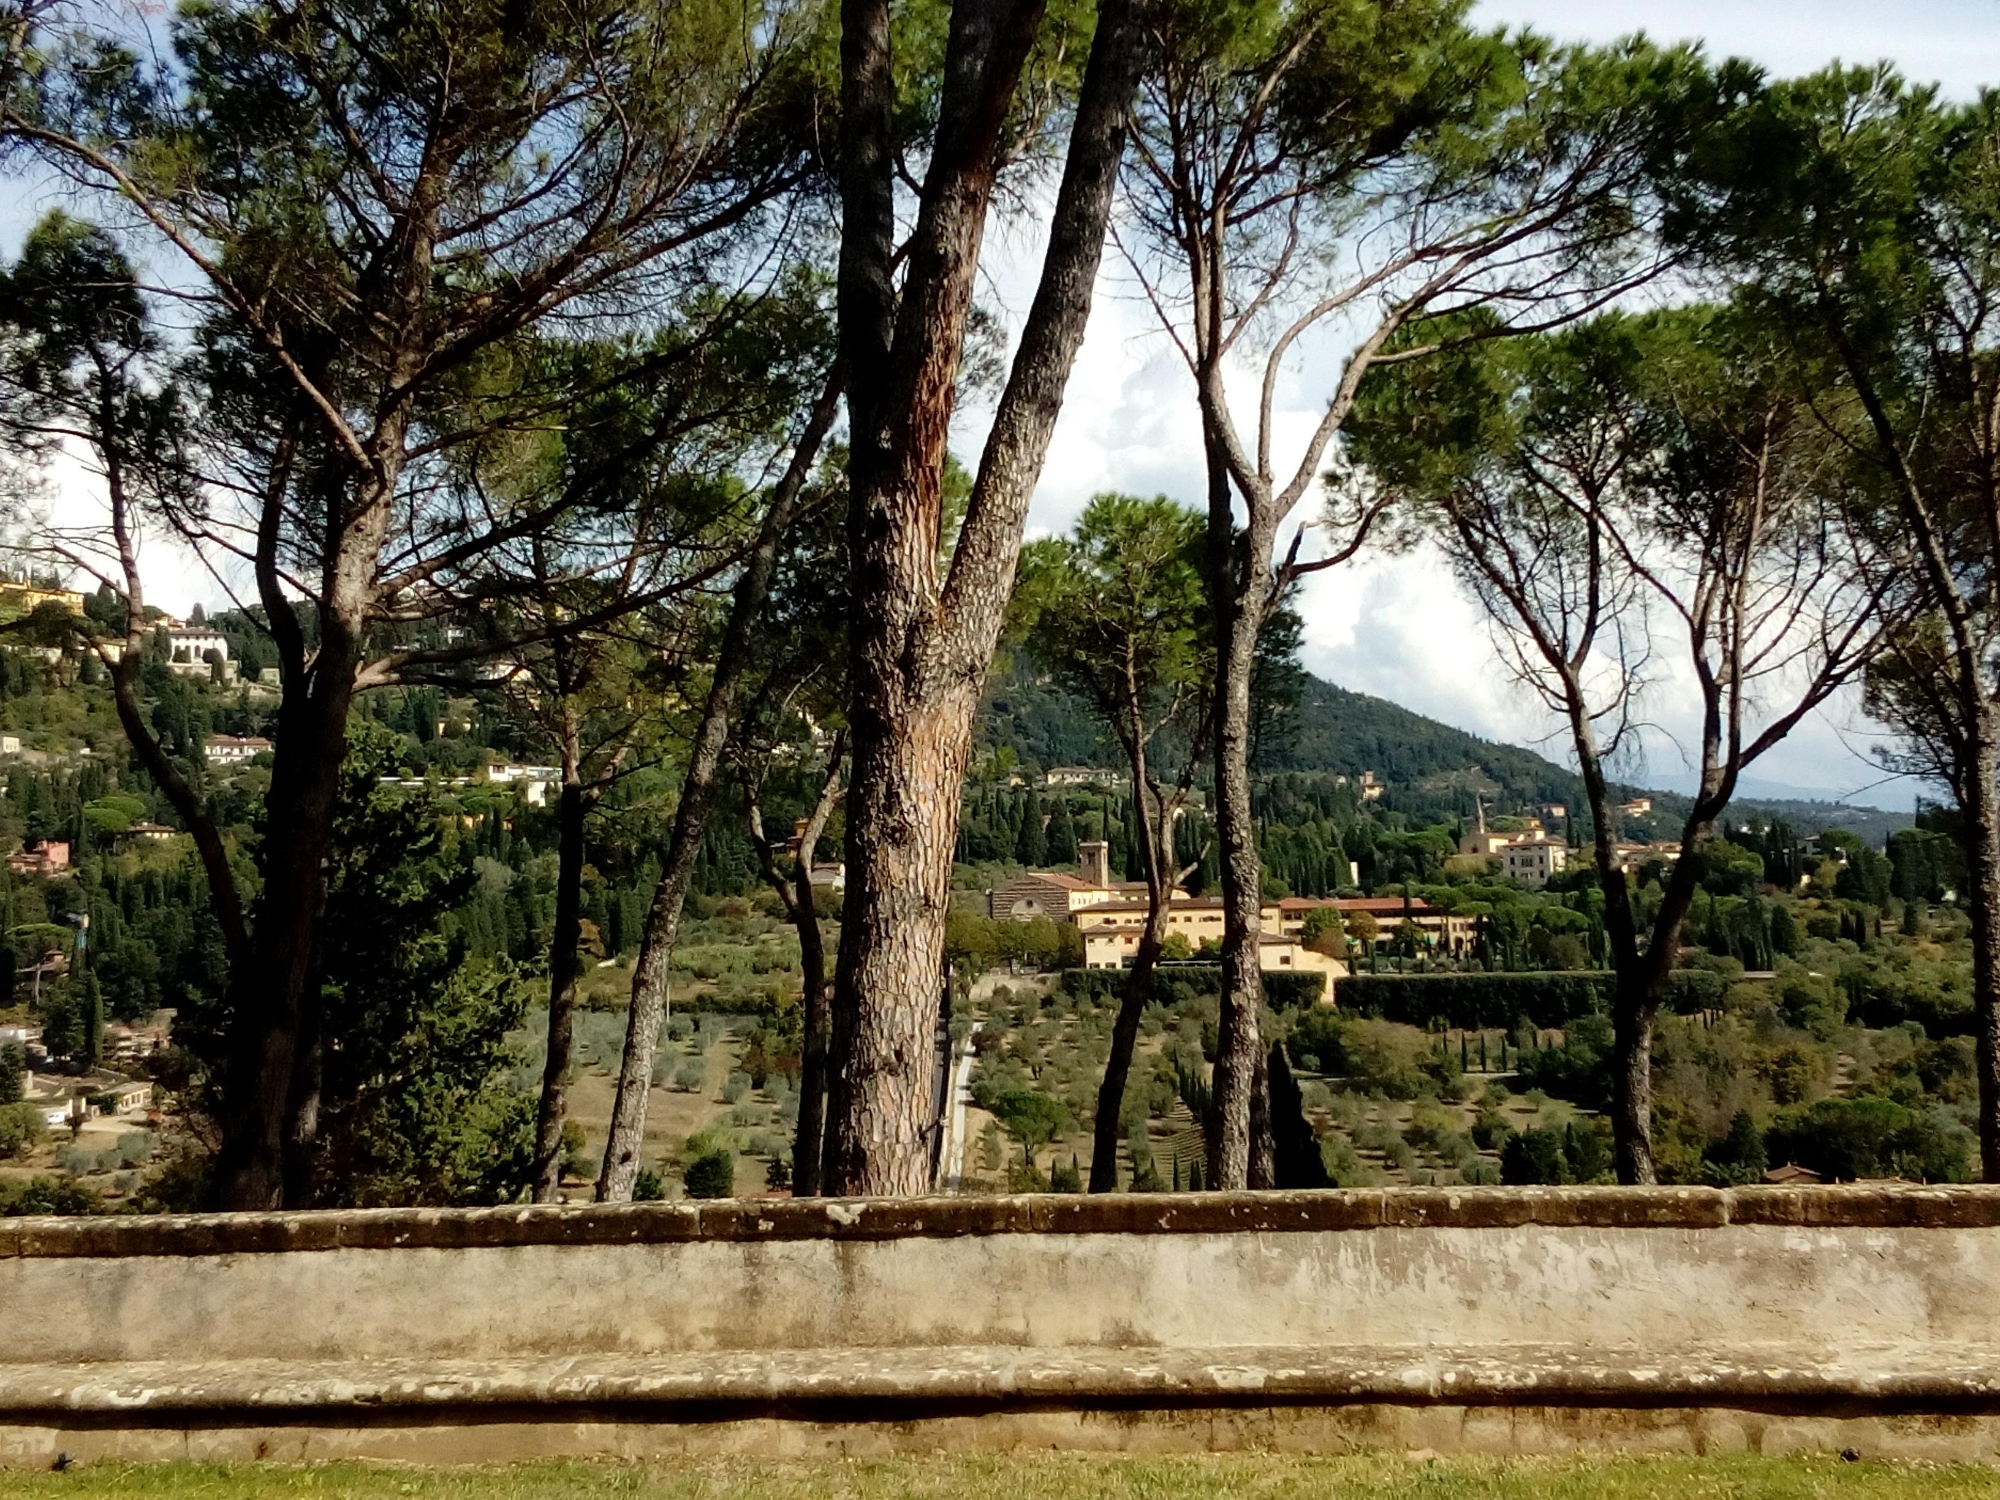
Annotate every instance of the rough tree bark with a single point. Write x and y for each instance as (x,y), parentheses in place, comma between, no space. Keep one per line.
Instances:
(269,1083)
(1979,839)
(920,652)
(1240,1155)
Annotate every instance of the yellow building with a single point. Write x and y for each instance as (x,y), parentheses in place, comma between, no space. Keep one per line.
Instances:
(1111,937)
(1445,931)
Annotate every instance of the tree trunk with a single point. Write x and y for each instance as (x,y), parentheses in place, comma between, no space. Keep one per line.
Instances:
(920,652)
(1979,835)
(902,823)
(809,1146)
(1632,1006)
(1154,828)
(1633,1012)
(564,942)
(1238,583)
(269,1109)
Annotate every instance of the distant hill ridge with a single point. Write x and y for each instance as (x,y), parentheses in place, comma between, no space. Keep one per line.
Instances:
(1431,768)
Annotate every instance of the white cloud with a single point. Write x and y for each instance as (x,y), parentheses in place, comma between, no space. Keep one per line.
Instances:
(1399,627)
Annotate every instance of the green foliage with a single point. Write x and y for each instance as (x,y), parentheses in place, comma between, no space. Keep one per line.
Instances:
(649,1187)
(21,1129)
(1177,983)
(1579,1152)
(975,944)
(417,1105)
(1737,1158)
(1297,1162)
(1868,1136)
(711,1174)
(47,1195)
(1115,613)
(13,1070)
(1579,1069)
(1472,1001)
(1030,1116)
(1374,1056)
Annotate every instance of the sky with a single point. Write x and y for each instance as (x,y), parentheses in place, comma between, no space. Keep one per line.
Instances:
(1399,627)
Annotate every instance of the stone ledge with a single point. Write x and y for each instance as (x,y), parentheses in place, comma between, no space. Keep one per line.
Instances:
(1963,1378)
(752,1220)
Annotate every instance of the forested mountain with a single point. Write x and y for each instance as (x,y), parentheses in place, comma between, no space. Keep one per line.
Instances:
(1430,769)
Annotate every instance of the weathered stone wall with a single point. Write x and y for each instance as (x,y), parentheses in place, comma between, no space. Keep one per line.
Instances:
(1502,1319)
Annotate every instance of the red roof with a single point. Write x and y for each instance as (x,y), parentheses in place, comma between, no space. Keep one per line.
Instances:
(1375,906)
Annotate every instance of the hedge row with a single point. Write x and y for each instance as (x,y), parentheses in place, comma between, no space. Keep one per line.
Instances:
(1173,983)
(1475,1000)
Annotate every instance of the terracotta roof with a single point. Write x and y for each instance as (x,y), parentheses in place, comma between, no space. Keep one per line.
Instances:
(1373,905)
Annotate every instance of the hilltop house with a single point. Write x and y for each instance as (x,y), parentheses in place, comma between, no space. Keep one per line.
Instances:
(233,749)
(1083,776)
(1534,860)
(189,647)
(40,857)
(1527,855)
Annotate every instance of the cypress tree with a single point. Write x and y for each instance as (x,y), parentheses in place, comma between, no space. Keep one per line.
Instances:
(1061,838)
(1031,847)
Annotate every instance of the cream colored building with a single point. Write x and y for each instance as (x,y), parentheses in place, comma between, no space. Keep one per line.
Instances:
(1534,861)
(1446,931)
(1111,938)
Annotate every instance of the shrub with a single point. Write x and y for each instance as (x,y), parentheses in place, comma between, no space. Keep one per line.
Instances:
(46,1195)
(1491,1129)
(1534,1156)
(1376,1056)
(648,1186)
(21,1129)
(1578,1153)
(711,1175)
(735,1087)
(13,1065)
(1344,1168)
(1066,1179)
(1432,1128)
(1810,1002)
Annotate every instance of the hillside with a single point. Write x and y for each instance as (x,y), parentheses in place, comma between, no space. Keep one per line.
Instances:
(1431,769)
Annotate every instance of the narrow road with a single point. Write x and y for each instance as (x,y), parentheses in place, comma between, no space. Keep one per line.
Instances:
(961,1096)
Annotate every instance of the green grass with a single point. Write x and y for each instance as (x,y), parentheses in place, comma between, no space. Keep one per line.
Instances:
(1216,1477)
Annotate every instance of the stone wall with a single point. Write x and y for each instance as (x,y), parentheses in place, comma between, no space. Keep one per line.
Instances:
(1510,1320)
